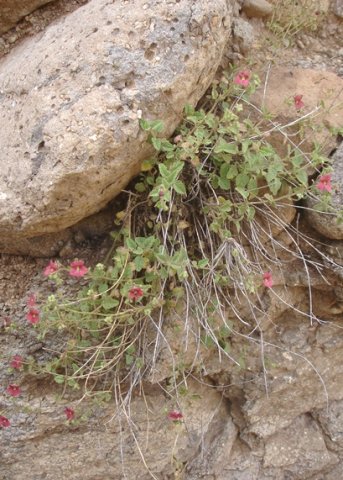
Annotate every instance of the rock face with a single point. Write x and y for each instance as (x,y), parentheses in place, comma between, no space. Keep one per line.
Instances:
(231,428)
(11,11)
(71,102)
(322,96)
(326,223)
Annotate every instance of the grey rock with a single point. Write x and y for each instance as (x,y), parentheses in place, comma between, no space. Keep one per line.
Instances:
(337,8)
(257,8)
(243,35)
(326,223)
(11,11)
(299,449)
(71,101)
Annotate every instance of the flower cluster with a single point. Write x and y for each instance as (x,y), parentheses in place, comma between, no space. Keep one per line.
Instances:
(4,422)
(135,293)
(242,78)
(268,280)
(78,269)
(17,362)
(13,390)
(324,183)
(32,315)
(69,413)
(175,416)
(298,103)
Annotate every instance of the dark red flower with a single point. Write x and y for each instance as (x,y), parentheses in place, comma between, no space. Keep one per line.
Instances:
(242,78)
(69,413)
(4,422)
(13,390)
(78,268)
(33,316)
(175,416)
(51,268)
(324,183)
(135,293)
(298,103)
(17,362)
(268,280)
(31,301)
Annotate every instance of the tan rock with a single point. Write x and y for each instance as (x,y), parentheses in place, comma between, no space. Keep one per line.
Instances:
(71,101)
(257,8)
(322,97)
(11,11)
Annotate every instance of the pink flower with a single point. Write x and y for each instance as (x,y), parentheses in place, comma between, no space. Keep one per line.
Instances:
(33,316)
(31,301)
(51,268)
(17,362)
(69,413)
(135,293)
(78,268)
(4,422)
(298,103)
(13,390)
(178,139)
(242,78)
(175,416)
(268,280)
(324,183)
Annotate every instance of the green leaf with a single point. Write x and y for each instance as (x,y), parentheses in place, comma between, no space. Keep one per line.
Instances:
(103,288)
(275,186)
(157,126)
(224,147)
(163,170)
(242,180)
(301,175)
(224,183)
(139,263)
(59,379)
(131,244)
(157,143)
(140,187)
(179,187)
(166,146)
(144,124)
(203,263)
(232,172)
(147,165)
(108,302)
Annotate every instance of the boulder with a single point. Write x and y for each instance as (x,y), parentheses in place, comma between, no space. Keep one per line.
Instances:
(257,8)
(11,11)
(322,97)
(72,97)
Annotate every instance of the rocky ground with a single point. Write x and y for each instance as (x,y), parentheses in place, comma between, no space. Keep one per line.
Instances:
(233,429)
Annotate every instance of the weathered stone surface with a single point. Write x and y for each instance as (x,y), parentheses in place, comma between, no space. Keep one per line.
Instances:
(104,447)
(276,95)
(299,450)
(257,8)
(244,35)
(337,8)
(71,101)
(326,223)
(11,11)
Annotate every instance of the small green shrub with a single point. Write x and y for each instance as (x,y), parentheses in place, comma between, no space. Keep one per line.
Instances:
(182,244)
